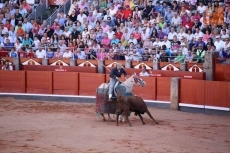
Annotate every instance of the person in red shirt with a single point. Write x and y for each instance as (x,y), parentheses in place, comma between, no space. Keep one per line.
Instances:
(118,34)
(119,14)
(127,12)
(188,24)
(7,24)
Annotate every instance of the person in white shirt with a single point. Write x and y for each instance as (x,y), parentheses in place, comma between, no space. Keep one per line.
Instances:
(201,8)
(166,42)
(40,53)
(181,34)
(67,54)
(66,33)
(172,33)
(3,29)
(110,33)
(176,20)
(144,71)
(226,44)
(81,16)
(198,34)
(36,42)
(219,44)
(157,43)
(144,34)
(224,35)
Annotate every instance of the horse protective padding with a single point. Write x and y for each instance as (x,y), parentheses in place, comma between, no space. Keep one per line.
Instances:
(102,103)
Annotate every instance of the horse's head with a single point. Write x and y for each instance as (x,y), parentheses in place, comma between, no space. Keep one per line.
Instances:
(138,80)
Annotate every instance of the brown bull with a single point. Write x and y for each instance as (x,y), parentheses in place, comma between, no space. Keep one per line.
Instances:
(132,104)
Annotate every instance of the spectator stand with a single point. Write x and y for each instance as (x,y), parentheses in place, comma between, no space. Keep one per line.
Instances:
(165,34)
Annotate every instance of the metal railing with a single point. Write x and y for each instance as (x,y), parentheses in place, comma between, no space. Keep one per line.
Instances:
(37,12)
(62,8)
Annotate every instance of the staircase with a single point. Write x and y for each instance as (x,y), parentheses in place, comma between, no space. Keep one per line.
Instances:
(62,8)
(47,13)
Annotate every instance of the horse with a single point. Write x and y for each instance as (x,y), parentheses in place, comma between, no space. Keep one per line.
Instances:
(120,88)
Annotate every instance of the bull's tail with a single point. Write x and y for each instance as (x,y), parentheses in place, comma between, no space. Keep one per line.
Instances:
(151,116)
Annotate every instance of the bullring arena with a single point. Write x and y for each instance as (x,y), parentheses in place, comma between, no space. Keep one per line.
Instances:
(56,54)
(53,127)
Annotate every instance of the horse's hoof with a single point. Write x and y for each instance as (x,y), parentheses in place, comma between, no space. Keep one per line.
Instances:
(156,122)
(130,125)
(143,123)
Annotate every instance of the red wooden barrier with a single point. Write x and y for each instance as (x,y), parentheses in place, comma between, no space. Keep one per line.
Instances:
(192,91)
(39,82)
(89,82)
(12,81)
(59,68)
(222,72)
(147,92)
(163,88)
(217,94)
(65,83)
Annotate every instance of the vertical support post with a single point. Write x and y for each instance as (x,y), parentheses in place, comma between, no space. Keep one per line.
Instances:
(209,65)
(100,66)
(174,94)
(44,61)
(156,65)
(183,66)
(72,62)
(127,63)
(16,63)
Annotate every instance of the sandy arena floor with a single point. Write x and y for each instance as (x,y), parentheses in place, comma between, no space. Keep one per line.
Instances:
(51,127)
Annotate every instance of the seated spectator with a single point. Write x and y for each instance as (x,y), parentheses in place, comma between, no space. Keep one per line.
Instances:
(105,41)
(7,66)
(196,58)
(114,40)
(30,52)
(58,54)
(154,56)
(13,53)
(164,57)
(27,40)
(81,54)
(22,11)
(219,44)
(68,54)
(189,56)
(49,53)
(180,57)
(144,72)
(200,51)
(135,56)
(40,53)
(8,45)
(148,43)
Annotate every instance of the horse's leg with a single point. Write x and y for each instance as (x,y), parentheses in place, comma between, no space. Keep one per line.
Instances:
(109,117)
(118,114)
(141,118)
(103,116)
(151,116)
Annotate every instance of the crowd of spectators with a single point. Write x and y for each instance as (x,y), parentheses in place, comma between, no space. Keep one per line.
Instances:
(138,30)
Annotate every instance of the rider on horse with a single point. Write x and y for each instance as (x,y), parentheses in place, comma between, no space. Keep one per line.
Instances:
(115,75)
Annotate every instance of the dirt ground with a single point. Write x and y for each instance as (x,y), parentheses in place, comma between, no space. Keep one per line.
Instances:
(63,127)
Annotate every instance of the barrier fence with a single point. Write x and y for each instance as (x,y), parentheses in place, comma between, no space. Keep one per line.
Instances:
(199,93)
